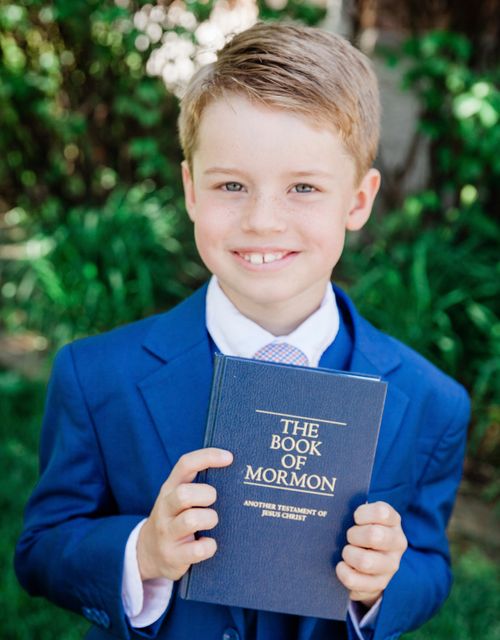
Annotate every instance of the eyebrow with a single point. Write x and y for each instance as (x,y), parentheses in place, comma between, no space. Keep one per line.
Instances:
(295,174)
(224,170)
(312,172)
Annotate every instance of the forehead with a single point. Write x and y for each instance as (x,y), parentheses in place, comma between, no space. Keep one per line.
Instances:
(230,107)
(235,128)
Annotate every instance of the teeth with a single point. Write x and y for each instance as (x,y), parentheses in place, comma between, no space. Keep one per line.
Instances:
(271,257)
(260,258)
(256,258)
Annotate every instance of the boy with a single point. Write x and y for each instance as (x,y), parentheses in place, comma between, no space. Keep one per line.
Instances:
(279,136)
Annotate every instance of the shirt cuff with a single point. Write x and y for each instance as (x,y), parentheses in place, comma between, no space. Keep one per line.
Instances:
(363,620)
(144,602)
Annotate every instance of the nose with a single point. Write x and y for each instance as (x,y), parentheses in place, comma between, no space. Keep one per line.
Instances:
(263,215)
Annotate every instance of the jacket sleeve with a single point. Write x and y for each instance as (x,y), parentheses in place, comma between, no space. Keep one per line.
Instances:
(423,580)
(71,550)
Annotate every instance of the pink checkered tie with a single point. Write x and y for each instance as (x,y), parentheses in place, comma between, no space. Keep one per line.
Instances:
(282,352)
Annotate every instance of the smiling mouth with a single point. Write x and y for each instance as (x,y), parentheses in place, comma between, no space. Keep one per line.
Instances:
(263,258)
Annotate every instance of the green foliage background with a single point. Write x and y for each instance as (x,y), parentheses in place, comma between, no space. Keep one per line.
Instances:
(93,234)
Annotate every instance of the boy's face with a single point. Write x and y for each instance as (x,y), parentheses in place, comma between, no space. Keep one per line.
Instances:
(271,198)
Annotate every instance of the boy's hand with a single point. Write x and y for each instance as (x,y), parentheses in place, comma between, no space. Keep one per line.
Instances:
(166,546)
(375,546)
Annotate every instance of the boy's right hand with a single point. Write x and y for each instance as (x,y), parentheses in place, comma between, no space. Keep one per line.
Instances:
(166,546)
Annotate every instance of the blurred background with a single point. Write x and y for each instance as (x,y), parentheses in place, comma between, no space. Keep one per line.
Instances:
(93,231)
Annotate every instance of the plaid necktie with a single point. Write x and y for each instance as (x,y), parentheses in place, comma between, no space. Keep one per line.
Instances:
(282,352)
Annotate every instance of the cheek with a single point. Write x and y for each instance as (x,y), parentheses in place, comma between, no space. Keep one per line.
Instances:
(209,233)
(326,233)
(202,239)
(331,243)
(215,223)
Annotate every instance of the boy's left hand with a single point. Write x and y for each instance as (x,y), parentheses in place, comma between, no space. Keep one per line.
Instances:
(375,546)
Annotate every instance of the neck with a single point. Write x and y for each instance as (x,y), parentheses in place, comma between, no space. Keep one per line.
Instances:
(282,317)
(278,324)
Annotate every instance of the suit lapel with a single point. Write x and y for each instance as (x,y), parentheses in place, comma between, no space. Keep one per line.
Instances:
(374,353)
(177,393)
(177,398)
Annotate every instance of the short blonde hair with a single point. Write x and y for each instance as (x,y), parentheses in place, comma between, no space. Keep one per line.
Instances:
(300,69)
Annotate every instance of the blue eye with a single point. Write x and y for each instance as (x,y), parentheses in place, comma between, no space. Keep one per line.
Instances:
(234,187)
(304,188)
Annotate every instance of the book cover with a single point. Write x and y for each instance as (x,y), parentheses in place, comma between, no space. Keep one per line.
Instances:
(303,442)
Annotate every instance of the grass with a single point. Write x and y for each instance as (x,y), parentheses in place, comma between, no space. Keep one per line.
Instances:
(23,618)
(471,612)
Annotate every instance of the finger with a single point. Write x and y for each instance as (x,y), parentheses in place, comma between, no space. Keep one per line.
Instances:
(196,551)
(190,464)
(191,521)
(377,513)
(185,496)
(375,536)
(370,562)
(355,581)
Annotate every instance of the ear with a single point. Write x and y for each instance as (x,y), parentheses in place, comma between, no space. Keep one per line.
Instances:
(189,196)
(364,197)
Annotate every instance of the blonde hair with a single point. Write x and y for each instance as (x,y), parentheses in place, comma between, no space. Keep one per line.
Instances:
(304,70)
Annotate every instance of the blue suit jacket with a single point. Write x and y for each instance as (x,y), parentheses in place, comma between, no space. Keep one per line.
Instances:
(124,406)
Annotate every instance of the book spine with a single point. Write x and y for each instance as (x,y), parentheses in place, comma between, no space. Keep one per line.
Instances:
(219,366)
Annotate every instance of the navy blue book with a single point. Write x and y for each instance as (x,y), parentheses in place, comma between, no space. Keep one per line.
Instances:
(303,442)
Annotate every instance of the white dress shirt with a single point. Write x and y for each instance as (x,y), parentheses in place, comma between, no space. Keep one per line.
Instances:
(235,335)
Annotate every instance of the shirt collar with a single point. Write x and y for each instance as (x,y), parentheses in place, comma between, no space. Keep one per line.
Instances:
(236,335)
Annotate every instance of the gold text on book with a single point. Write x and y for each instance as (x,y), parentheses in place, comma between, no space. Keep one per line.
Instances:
(298,441)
